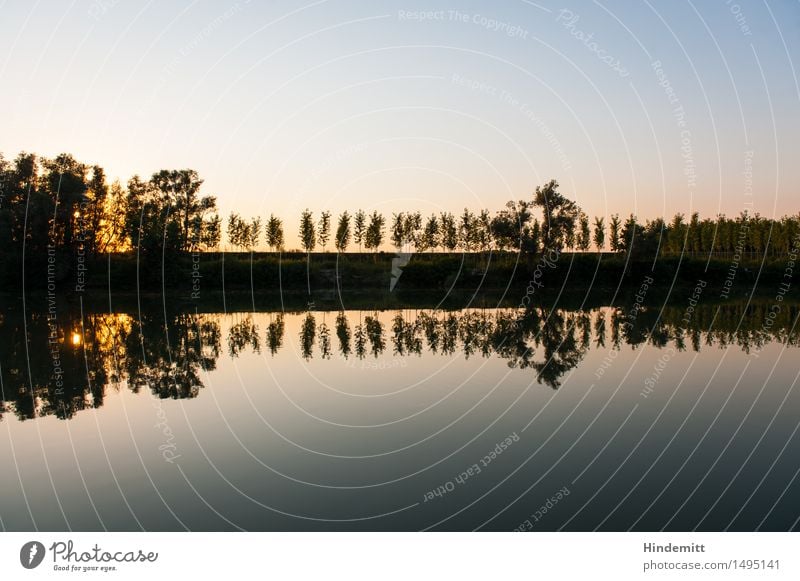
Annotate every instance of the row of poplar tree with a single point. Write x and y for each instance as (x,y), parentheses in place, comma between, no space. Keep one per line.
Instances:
(563,225)
(64,204)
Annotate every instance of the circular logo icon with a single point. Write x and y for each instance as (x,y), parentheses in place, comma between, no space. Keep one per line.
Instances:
(31,554)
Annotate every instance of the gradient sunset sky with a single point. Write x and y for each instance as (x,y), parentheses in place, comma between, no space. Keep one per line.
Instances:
(650,107)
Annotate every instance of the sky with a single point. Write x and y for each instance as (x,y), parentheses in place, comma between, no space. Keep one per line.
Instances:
(651,107)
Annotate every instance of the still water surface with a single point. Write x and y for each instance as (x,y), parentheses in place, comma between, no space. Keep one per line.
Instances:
(491,419)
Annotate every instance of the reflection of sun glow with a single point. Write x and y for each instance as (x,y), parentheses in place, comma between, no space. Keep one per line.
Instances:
(76,338)
(110,332)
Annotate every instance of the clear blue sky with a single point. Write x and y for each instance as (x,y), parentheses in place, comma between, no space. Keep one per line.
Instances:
(418,105)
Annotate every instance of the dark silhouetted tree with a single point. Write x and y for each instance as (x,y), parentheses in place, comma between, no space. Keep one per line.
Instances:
(614,231)
(324,229)
(558,215)
(448,231)
(599,234)
(359,228)
(375,231)
(430,235)
(343,232)
(584,237)
(308,237)
(274,233)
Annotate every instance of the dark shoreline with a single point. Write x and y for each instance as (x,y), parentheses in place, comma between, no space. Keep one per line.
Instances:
(244,282)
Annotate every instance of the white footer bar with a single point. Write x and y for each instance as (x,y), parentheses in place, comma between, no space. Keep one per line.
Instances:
(402,556)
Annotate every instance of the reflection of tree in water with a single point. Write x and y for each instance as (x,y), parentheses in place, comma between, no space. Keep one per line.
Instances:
(474,327)
(406,338)
(550,342)
(449,335)
(398,334)
(308,331)
(561,350)
(73,363)
(324,339)
(584,326)
(168,355)
(360,342)
(616,321)
(430,327)
(554,332)
(57,371)
(374,330)
(343,334)
(241,335)
(600,330)
(275,331)
(659,335)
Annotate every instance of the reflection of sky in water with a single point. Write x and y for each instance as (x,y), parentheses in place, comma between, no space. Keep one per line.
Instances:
(300,436)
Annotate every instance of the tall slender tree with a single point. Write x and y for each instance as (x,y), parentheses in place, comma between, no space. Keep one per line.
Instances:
(466,231)
(253,233)
(398,232)
(359,228)
(274,233)
(324,229)
(631,234)
(242,234)
(614,231)
(94,210)
(448,231)
(412,225)
(599,233)
(584,237)
(375,231)
(110,236)
(343,232)
(483,231)
(308,237)
(694,238)
(429,239)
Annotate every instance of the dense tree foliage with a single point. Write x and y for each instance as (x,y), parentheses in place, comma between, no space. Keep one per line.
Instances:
(343,232)
(274,233)
(62,212)
(308,237)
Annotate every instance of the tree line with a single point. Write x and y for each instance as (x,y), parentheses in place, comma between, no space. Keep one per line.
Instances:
(63,204)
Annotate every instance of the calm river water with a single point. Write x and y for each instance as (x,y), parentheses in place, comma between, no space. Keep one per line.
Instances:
(494,419)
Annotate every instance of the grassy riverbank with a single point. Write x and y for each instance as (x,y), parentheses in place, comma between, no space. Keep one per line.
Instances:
(297,277)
